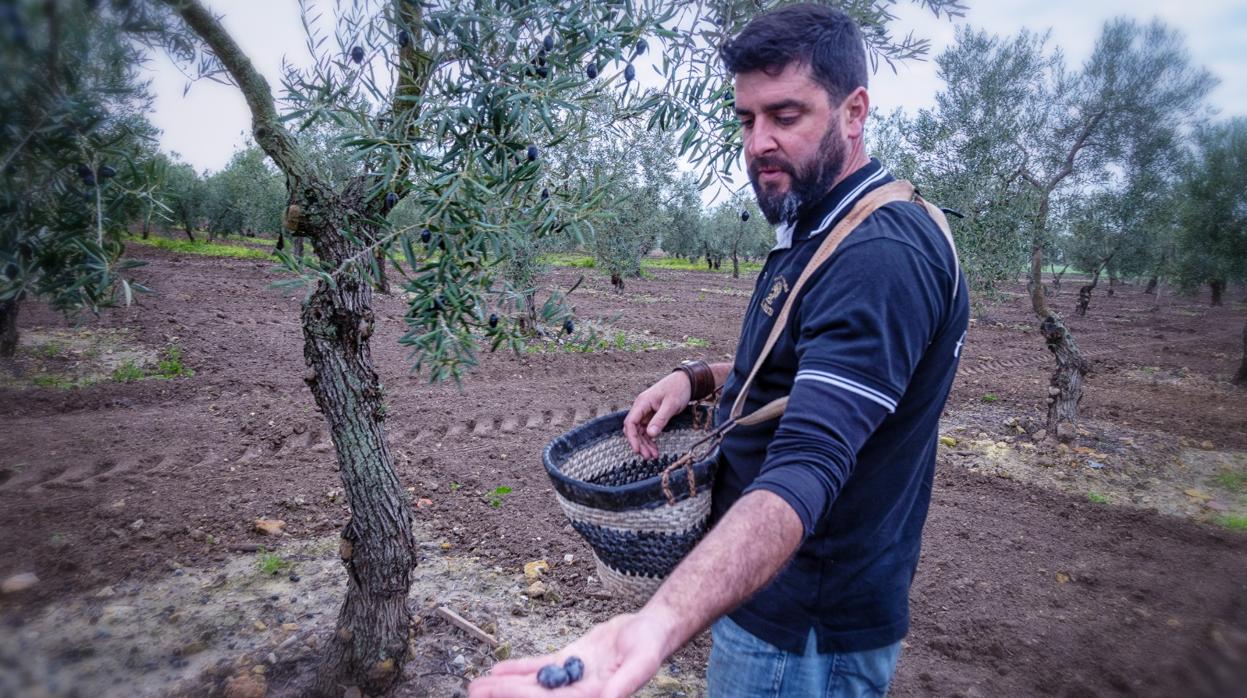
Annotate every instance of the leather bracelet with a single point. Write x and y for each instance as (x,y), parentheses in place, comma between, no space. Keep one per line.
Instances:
(700,379)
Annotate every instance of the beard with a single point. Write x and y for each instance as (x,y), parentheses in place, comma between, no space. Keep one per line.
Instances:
(808,183)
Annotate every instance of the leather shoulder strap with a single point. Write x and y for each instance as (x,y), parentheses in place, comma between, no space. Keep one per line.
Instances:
(899,190)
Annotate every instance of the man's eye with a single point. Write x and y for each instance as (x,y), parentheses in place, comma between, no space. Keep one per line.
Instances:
(746,124)
(785,120)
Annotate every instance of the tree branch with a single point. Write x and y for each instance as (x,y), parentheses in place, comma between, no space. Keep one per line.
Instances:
(265,124)
(1079,143)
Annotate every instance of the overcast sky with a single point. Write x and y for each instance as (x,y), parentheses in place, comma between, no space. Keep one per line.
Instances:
(211,121)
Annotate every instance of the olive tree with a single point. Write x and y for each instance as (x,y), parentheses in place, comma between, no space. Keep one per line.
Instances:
(1050,132)
(435,119)
(75,159)
(1212,242)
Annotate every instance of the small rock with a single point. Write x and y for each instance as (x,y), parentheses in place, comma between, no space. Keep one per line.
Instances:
(535,569)
(260,626)
(536,590)
(459,661)
(568,559)
(1206,445)
(294,577)
(270,527)
(948,441)
(246,686)
(136,524)
(19,582)
(445,546)
(1066,432)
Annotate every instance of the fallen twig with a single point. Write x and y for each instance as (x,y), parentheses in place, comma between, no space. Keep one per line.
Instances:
(466,626)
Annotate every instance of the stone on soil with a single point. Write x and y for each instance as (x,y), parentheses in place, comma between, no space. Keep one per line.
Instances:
(18,582)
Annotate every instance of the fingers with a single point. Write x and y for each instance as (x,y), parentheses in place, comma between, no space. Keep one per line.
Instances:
(669,408)
(524,665)
(635,426)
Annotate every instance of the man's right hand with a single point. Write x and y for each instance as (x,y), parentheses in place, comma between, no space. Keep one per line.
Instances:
(652,410)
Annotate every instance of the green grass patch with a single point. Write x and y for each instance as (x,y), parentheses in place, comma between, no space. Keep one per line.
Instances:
(170,364)
(1230,480)
(696,342)
(127,372)
(681,264)
(1233,522)
(52,380)
(1097,498)
(203,248)
(569,259)
(271,563)
(584,261)
(496,495)
(989,398)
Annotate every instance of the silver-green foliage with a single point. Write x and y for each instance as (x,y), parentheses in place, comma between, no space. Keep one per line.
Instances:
(446,122)
(77,158)
(1017,138)
(1213,239)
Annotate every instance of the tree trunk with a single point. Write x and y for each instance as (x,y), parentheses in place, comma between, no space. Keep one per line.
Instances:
(298,247)
(528,321)
(8,327)
(1240,378)
(1218,288)
(1151,285)
(709,262)
(1065,386)
(735,266)
(190,231)
(1112,282)
(370,643)
(147,224)
(1084,294)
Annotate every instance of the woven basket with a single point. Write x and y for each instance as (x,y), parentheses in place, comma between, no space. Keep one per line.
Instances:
(638,531)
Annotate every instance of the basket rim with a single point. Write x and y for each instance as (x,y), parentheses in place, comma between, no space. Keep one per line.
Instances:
(642,494)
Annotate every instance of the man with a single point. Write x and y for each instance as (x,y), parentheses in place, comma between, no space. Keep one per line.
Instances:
(818,515)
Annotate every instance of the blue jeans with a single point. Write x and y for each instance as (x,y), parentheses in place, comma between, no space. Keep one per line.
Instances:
(743,666)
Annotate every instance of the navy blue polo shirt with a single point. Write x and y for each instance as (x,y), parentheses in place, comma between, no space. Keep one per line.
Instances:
(867,362)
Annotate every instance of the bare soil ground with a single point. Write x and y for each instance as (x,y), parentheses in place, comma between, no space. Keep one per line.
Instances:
(1103,569)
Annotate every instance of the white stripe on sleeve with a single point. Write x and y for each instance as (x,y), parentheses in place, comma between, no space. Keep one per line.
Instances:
(849,385)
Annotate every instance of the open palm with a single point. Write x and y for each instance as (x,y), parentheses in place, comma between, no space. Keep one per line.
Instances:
(620,656)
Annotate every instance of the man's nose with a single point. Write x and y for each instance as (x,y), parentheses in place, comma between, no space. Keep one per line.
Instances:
(760,141)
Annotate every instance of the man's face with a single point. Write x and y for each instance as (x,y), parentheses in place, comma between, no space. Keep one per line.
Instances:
(794,149)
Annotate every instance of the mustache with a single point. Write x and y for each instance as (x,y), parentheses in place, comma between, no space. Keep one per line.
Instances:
(771,163)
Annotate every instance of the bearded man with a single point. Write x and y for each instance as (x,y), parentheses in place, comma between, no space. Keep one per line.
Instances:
(805,575)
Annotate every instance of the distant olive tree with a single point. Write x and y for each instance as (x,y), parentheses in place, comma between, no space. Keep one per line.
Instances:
(1044,133)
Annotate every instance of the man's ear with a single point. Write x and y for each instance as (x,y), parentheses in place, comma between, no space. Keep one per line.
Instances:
(853,112)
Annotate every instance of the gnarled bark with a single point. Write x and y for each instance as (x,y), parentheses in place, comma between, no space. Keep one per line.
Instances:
(370,644)
(1065,385)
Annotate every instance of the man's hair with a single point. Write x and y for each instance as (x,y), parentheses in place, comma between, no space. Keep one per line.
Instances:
(821,37)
